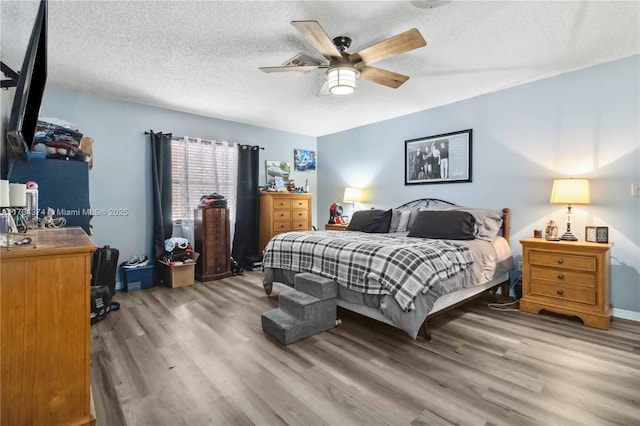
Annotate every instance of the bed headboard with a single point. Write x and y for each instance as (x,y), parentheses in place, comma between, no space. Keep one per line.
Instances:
(432,202)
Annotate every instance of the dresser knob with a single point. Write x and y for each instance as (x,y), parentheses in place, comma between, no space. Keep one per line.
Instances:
(560,276)
(560,292)
(560,260)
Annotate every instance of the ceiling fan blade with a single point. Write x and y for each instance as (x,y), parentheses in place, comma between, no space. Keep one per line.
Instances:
(401,43)
(324,90)
(314,34)
(303,68)
(384,77)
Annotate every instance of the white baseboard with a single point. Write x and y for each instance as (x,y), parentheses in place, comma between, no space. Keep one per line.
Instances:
(624,314)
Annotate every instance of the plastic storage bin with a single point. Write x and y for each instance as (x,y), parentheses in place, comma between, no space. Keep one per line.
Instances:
(137,278)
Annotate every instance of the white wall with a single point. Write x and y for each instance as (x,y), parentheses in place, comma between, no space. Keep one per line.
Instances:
(581,124)
(121,176)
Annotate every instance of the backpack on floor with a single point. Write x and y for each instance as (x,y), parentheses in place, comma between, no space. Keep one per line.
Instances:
(104,266)
(101,303)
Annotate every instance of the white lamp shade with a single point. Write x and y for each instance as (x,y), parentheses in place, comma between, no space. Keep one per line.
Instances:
(342,81)
(352,195)
(17,194)
(4,193)
(570,191)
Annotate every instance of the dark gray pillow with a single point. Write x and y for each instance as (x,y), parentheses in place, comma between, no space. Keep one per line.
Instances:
(444,225)
(370,221)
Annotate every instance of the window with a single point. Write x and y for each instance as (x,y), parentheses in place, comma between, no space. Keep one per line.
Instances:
(200,168)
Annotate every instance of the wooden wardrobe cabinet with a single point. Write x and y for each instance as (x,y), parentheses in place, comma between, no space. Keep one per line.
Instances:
(45,326)
(283,212)
(211,234)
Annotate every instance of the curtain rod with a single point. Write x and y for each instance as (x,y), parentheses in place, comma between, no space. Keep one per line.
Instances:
(194,139)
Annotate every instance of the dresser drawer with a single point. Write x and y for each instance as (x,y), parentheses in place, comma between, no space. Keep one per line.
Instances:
(300,214)
(281,225)
(282,214)
(561,292)
(282,203)
(585,263)
(300,225)
(564,276)
(300,204)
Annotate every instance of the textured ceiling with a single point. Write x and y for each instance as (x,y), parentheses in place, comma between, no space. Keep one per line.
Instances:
(203,57)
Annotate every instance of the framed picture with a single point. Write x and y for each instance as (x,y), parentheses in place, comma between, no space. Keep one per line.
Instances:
(596,234)
(280,169)
(442,158)
(304,161)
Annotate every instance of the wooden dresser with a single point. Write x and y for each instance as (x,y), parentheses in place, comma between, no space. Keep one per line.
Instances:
(212,241)
(45,314)
(283,212)
(567,277)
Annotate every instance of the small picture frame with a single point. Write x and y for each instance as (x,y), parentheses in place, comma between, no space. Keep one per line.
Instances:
(596,234)
(602,234)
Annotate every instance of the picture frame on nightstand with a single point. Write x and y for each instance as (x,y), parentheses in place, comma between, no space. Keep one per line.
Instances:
(596,234)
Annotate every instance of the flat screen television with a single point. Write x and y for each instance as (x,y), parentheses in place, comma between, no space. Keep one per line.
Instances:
(29,90)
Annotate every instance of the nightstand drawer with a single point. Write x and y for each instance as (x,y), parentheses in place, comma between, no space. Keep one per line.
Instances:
(563,276)
(282,214)
(539,288)
(282,225)
(584,263)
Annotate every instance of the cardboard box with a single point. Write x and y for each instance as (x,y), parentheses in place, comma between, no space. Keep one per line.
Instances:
(139,278)
(180,275)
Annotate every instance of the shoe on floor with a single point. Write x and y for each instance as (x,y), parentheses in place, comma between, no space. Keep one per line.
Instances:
(136,262)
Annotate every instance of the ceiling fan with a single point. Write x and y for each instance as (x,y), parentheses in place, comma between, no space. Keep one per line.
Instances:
(343,68)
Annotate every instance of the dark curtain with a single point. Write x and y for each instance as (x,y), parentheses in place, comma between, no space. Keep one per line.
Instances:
(161,176)
(245,239)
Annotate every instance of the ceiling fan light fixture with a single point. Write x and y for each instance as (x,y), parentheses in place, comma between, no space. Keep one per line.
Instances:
(342,80)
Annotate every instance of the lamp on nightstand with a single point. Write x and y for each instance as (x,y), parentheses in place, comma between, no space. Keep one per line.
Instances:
(570,191)
(353,196)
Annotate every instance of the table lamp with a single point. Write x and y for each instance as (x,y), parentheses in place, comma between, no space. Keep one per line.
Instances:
(353,196)
(570,191)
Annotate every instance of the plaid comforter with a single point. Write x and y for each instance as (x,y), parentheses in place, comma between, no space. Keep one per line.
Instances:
(370,263)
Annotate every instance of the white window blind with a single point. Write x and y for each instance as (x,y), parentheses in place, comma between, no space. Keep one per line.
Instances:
(200,168)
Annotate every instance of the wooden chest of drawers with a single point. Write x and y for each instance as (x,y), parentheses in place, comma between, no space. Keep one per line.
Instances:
(212,241)
(567,277)
(44,326)
(283,212)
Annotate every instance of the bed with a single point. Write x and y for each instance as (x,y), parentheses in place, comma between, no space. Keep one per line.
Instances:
(403,266)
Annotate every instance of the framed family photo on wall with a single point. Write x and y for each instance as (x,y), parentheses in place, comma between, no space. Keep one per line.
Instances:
(442,158)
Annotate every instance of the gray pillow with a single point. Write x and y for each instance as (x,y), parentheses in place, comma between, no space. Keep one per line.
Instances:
(370,221)
(488,222)
(444,225)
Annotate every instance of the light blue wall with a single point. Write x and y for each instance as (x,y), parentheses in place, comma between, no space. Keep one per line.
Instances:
(121,176)
(581,124)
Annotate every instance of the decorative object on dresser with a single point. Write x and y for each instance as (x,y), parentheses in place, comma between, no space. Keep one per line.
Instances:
(211,235)
(596,234)
(569,278)
(570,191)
(283,212)
(44,324)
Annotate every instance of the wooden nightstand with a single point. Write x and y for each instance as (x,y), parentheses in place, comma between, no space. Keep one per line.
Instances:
(335,227)
(567,277)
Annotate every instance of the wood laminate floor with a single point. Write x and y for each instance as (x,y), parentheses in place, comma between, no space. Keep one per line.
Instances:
(197,355)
